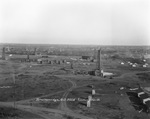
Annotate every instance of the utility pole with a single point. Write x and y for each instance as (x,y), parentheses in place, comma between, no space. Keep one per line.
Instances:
(14,81)
(14,91)
(22,92)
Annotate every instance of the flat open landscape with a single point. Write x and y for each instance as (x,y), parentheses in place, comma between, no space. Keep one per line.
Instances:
(57,84)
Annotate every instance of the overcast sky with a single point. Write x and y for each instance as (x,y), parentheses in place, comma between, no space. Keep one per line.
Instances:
(99,22)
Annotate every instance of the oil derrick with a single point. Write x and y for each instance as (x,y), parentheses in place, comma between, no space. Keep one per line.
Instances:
(99,61)
(28,55)
(8,49)
(71,64)
(34,51)
(3,53)
(95,54)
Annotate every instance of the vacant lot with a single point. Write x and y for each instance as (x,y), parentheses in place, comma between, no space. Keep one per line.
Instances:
(28,85)
(145,77)
(28,80)
(11,113)
(110,102)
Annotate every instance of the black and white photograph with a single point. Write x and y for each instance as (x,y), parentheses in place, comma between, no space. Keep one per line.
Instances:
(74,59)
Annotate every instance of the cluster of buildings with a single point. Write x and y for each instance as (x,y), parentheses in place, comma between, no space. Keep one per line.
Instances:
(135,64)
(50,61)
(44,59)
(144,99)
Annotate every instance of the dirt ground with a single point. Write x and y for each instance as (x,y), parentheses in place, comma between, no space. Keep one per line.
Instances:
(25,82)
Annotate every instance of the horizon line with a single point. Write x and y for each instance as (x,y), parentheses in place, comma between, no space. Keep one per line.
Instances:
(74,44)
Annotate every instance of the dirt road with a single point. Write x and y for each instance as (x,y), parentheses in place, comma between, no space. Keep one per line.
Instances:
(63,104)
(62,113)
